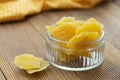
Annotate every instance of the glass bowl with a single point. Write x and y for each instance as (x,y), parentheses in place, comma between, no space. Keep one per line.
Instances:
(88,55)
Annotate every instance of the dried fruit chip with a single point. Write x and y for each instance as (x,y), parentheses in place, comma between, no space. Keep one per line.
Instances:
(30,63)
(43,65)
(79,23)
(65,20)
(64,57)
(50,28)
(69,56)
(91,26)
(94,20)
(75,42)
(80,53)
(64,32)
(84,37)
(27,61)
(70,20)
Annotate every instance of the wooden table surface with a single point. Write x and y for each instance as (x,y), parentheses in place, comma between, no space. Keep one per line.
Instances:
(28,36)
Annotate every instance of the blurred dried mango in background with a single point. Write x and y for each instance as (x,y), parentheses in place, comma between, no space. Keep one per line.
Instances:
(12,10)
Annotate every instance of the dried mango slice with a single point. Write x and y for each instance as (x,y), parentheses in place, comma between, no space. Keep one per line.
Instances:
(83,37)
(91,26)
(30,63)
(94,20)
(50,28)
(70,20)
(64,32)
(27,61)
(73,55)
(64,57)
(74,43)
(80,53)
(86,54)
(43,65)
(79,23)
(65,20)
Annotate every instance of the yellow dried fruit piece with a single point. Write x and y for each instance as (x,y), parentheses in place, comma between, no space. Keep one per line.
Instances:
(94,20)
(79,23)
(80,53)
(64,57)
(27,61)
(83,37)
(76,43)
(30,63)
(91,26)
(64,32)
(68,56)
(43,65)
(50,28)
(65,20)
(86,54)
(70,20)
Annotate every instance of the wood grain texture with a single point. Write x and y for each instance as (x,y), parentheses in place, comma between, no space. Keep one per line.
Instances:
(1,76)
(29,36)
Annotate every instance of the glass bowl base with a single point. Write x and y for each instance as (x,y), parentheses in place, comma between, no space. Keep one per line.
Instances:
(77,69)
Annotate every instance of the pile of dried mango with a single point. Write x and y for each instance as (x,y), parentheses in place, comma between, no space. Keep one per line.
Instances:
(75,33)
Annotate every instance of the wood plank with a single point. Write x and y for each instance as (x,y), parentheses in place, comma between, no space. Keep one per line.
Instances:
(1,76)
(7,69)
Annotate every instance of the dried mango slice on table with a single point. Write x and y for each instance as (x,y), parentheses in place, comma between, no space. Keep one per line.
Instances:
(30,63)
(43,65)
(27,61)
